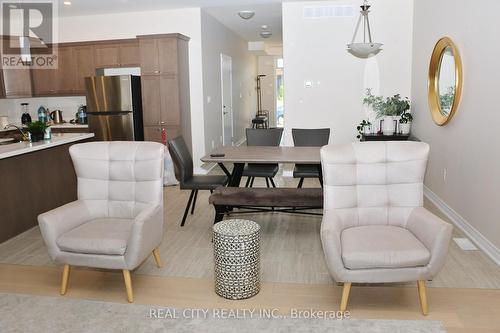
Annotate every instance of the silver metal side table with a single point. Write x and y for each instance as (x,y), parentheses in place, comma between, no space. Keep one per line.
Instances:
(237,258)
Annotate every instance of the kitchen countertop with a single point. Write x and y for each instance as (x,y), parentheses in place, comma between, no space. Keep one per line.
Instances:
(64,125)
(58,139)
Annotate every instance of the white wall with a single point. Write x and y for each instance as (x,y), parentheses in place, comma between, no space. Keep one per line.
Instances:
(129,25)
(314,49)
(217,39)
(267,67)
(467,147)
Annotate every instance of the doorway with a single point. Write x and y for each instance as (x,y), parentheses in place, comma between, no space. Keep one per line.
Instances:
(227,99)
(280,89)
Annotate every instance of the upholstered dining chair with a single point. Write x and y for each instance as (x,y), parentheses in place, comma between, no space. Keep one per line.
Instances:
(309,137)
(117,220)
(183,168)
(262,137)
(375,228)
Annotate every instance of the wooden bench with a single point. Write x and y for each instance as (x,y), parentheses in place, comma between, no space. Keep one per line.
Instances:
(289,200)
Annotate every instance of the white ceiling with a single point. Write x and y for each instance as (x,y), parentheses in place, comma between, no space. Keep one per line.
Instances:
(268,14)
(91,7)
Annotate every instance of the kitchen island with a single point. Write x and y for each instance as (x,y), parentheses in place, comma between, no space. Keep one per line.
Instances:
(35,177)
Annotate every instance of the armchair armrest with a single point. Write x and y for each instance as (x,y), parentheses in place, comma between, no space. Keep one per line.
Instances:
(433,232)
(146,234)
(331,230)
(61,220)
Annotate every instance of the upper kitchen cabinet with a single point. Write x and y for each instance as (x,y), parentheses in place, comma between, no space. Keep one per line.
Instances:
(123,53)
(61,80)
(15,82)
(159,53)
(85,66)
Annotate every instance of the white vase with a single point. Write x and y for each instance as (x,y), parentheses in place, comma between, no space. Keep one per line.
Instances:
(367,129)
(388,126)
(405,128)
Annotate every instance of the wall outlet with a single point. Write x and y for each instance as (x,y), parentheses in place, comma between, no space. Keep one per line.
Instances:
(444,174)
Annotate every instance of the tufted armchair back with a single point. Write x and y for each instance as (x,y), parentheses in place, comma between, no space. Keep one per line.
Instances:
(119,179)
(373,182)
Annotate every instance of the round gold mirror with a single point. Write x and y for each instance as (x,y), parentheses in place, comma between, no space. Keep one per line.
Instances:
(445,81)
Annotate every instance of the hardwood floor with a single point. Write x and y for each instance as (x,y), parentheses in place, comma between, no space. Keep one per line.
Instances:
(465,296)
(291,249)
(460,310)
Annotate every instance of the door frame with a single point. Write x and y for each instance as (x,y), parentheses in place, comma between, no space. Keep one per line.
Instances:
(224,58)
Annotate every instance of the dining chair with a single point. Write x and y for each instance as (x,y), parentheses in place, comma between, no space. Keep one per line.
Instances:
(183,168)
(262,137)
(315,137)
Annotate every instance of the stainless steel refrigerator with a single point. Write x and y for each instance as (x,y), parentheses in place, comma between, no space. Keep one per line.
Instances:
(114,107)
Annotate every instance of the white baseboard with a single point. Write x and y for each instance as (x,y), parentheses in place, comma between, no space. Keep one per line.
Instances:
(475,236)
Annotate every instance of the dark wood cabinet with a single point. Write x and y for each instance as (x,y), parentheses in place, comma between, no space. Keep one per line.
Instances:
(163,72)
(117,54)
(85,66)
(106,55)
(59,81)
(129,54)
(17,82)
(154,133)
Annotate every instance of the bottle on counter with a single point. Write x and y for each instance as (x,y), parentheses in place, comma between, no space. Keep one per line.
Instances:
(42,114)
(48,134)
(25,118)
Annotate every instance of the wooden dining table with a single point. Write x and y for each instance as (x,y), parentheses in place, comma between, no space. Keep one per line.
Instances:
(240,155)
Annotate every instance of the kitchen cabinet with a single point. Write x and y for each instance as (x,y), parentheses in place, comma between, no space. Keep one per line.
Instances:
(85,66)
(160,100)
(164,74)
(117,54)
(58,81)
(158,55)
(17,82)
(154,133)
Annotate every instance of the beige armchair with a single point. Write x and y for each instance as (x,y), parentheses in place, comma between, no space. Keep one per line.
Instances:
(117,221)
(374,228)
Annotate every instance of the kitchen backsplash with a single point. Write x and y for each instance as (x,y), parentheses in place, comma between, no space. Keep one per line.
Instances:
(68,105)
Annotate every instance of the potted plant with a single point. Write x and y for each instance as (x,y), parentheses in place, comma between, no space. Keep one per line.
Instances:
(364,127)
(405,122)
(37,130)
(387,108)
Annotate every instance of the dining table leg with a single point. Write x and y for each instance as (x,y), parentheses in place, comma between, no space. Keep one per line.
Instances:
(236,175)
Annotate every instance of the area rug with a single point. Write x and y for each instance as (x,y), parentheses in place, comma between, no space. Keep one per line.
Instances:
(27,313)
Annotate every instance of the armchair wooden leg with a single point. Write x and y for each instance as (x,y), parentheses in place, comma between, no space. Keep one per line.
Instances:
(128,285)
(156,255)
(345,296)
(422,293)
(65,279)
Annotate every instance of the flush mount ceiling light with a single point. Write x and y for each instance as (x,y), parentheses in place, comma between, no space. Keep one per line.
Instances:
(246,14)
(67,3)
(266,34)
(365,49)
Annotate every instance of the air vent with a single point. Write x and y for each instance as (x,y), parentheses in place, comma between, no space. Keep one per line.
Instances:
(328,12)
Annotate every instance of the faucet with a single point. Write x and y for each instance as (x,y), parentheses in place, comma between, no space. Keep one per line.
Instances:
(25,137)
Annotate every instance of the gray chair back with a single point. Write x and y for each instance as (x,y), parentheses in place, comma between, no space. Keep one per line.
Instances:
(183,162)
(310,137)
(264,137)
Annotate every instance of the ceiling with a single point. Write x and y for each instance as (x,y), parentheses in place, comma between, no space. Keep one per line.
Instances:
(92,7)
(265,14)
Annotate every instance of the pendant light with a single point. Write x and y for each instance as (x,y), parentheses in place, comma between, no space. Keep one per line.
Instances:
(367,48)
